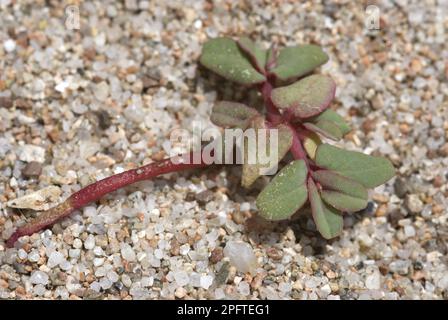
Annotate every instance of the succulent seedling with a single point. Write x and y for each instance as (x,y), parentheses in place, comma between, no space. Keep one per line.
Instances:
(329,180)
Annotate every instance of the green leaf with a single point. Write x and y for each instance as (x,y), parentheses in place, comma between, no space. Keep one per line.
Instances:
(307,97)
(285,194)
(341,192)
(328,220)
(298,61)
(271,56)
(257,55)
(251,171)
(310,144)
(343,201)
(330,115)
(222,55)
(232,114)
(329,124)
(368,170)
(326,128)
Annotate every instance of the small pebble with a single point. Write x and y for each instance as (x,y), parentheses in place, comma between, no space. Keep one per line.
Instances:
(39,277)
(32,169)
(127,252)
(89,243)
(55,259)
(9,45)
(241,256)
(413,203)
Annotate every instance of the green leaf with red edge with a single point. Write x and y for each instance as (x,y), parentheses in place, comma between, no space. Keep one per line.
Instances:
(342,193)
(306,97)
(232,114)
(298,61)
(285,194)
(257,55)
(328,220)
(224,57)
(326,128)
(368,170)
(251,171)
(333,116)
(329,124)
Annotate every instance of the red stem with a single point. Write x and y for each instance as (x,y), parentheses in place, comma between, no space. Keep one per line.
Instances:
(297,149)
(273,115)
(100,188)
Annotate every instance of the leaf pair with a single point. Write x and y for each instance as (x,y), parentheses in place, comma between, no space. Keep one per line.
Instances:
(244,62)
(368,170)
(329,124)
(344,185)
(341,186)
(289,191)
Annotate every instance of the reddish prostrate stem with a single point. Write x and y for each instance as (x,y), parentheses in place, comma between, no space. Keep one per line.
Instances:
(100,188)
(273,115)
(297,149)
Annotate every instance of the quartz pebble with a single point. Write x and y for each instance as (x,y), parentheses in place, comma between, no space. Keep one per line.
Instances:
(39,277)
(241,256)
(244,288)
(29,153)
(101,91)
(206,281)
(127,252)
(9,45)
(181,278)
(89,243)
(373,281)
(55,259)
(414,204)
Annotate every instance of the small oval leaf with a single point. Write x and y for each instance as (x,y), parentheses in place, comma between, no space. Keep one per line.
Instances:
(368,170)
(307,97)
(257,55)
(298,61)
(326,128)
(343,201)
(334,181)
(328,220)
(232,114)
(222,56)
(285,194)
(341,192)
(310,144)
(330,115)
